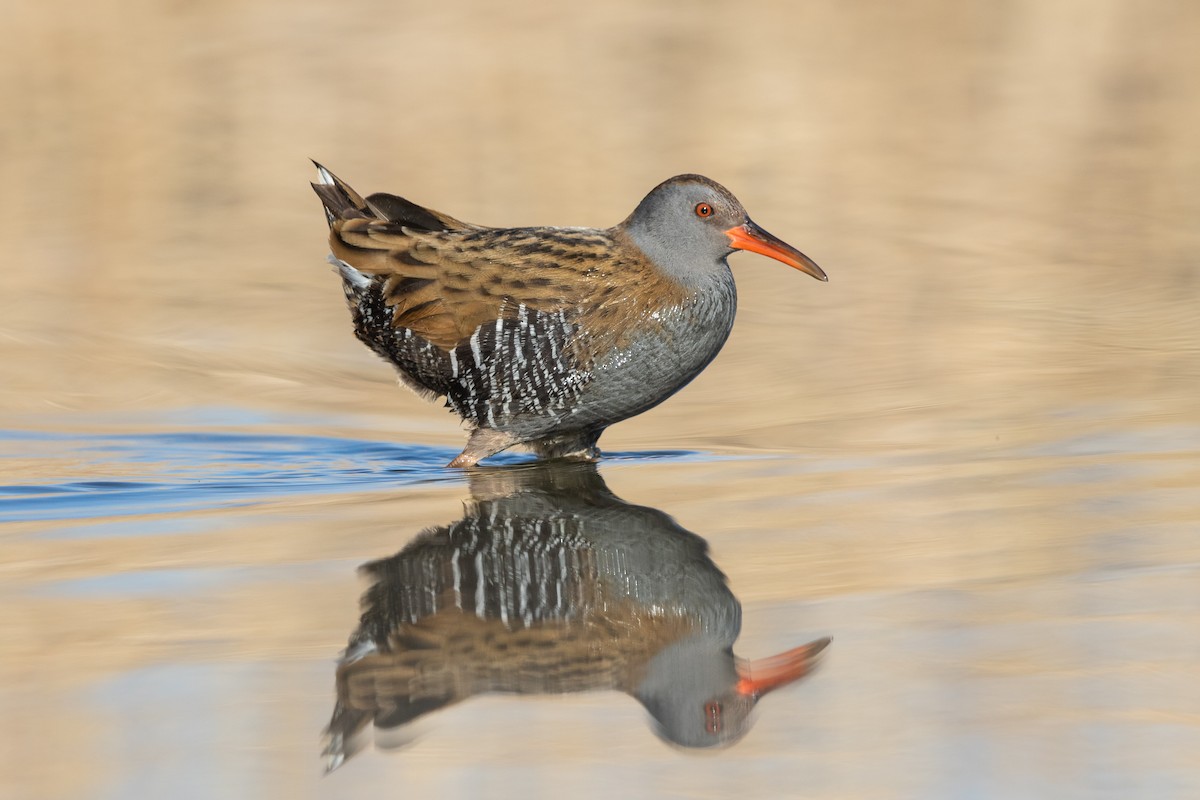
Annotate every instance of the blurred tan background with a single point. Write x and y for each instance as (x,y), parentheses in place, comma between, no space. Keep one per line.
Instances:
(1005,197)
(986,424)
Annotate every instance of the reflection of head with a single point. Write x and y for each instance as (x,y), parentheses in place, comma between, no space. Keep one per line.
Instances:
(690,690)
(701,696)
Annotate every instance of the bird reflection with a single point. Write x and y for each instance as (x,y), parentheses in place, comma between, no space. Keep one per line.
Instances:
(551,584)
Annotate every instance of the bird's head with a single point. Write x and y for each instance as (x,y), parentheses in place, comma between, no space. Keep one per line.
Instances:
(690,224)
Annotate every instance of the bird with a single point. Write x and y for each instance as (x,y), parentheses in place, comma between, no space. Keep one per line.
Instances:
(551,584)
(544,336)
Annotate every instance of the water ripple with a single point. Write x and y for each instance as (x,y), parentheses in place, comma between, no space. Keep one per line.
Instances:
(173,472)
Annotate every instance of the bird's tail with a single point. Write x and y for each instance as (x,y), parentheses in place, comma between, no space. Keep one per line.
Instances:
(340,201)
(345,735)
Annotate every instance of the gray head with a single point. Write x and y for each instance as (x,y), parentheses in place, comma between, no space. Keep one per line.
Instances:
(689,224)
(701,695)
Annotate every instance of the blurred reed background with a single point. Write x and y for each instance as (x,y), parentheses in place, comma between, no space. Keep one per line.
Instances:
(1006,197)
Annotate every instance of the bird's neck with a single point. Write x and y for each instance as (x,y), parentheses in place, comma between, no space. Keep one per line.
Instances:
(693,272)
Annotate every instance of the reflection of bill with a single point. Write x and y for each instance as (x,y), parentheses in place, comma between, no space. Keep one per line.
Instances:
(551,584)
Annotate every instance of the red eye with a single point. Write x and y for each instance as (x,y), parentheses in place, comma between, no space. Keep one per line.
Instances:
(712,709)
(704,210)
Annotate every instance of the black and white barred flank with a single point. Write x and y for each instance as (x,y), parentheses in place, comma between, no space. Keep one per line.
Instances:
(513,368)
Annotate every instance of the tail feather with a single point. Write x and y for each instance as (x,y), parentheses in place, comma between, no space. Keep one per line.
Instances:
(340,201)
(343,203)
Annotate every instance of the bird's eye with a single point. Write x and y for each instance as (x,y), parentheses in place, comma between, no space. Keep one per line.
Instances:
(712,715)
(703,210)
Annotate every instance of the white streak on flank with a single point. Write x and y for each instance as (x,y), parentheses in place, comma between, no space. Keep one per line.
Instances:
(475,350)
(457,578)
(560,584)
(523,594)
(557,335)
(495,373)
(553,342)
(453,364)
(517,360)
(520,335)
(505,593)
(480,584)
(539,365)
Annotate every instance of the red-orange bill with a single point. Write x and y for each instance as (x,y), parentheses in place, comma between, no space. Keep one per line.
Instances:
(754,239)
(756,678)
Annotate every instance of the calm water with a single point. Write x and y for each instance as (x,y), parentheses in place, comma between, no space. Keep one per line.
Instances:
(972,459)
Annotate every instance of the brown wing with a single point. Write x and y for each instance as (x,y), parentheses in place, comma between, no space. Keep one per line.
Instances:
(443,285)
(442,278)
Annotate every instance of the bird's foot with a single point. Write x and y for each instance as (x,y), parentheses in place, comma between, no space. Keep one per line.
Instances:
(576,447)
(484,442)
(582,454)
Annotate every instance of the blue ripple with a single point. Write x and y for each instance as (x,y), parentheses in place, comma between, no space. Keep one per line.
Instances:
(187,471)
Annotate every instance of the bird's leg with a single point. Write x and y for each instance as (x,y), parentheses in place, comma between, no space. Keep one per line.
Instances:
(578,446)
(484,442)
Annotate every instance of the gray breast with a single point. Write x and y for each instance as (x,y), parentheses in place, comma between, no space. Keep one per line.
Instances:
(678,344)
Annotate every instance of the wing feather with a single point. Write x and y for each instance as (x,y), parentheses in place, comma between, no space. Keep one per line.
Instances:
(443,278)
